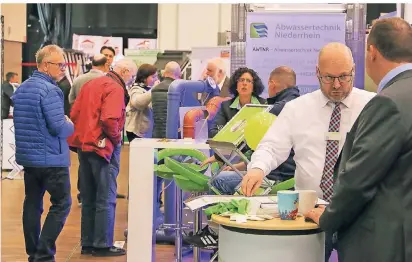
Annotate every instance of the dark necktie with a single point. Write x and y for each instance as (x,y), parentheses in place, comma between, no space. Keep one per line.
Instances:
(332,153)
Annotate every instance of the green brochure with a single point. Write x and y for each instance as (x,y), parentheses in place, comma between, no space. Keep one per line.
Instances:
(232,132)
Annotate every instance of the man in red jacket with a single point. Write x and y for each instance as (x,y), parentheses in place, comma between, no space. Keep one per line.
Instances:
(98,115)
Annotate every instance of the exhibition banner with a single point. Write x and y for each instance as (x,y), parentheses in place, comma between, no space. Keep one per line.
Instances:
(142,56)
(293,40)
(141,43)
(91,44)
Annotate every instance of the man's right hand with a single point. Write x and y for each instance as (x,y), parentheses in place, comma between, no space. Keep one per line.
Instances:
(208,161)
(252,181)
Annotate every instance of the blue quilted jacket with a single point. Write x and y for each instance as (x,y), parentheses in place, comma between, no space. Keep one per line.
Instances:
(39,123)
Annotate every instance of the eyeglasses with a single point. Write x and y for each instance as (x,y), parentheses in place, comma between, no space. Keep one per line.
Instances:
(62,66)
(341,78)
(241,80)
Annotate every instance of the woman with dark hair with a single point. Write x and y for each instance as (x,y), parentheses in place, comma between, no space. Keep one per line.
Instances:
(139,121)
(246,87)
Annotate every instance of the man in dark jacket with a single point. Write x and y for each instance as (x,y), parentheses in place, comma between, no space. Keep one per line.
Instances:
(369,208)
(41,131)
(7,92)
(282,89)
(159,104)
(159,98)
(65,86)
(100,109)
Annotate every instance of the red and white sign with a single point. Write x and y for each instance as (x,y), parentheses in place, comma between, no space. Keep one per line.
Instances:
(91,44)
(141,43)
(115,42)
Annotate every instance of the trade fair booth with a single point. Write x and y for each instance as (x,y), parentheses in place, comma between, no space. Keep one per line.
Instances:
(262,38)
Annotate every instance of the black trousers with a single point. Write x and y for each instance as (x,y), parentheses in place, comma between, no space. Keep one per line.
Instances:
(98,190)
(330,245)
(41,242)
(131,136)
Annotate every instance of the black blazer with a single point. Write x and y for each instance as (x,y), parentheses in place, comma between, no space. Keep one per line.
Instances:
(371,207)
(7,92)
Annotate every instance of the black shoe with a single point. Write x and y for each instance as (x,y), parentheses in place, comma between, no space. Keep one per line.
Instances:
(87,250)
(204,238)
(120,196)
(109,252)
(79,200)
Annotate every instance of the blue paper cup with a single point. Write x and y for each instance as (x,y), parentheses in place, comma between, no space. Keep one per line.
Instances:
(288,204)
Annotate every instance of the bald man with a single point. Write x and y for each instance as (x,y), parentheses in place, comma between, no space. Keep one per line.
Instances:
(371,199)
(171,72)
(98,68)
(315,126)
(281,88)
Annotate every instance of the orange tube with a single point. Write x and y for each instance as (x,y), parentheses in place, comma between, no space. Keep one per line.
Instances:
(189,122)
(194,115)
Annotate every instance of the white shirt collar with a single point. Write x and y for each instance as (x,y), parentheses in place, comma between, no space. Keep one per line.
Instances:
(220,85)
(347,102)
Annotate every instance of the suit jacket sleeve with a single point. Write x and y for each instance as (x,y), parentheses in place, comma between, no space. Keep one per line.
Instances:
(111,114)
(377,142)
(73,91)
(8,91)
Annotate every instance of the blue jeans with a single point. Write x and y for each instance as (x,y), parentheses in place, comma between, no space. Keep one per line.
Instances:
(98,192)
(41,241)
(226,182)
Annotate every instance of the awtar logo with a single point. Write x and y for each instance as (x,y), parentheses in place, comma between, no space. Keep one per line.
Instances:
(258,30)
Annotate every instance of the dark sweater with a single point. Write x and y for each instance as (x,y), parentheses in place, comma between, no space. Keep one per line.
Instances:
(159,105)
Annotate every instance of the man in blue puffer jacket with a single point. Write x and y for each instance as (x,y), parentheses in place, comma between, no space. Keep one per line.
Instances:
(41,130)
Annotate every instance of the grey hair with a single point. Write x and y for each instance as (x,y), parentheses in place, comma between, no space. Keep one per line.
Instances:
(47,51)
(219,63)
(125,63)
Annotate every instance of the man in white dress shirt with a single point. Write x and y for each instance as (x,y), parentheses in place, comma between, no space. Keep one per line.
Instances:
(315,126)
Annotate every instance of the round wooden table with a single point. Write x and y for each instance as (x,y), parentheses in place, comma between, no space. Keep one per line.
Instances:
(270,240)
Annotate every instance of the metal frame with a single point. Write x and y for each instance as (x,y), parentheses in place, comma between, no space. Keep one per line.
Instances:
(235,151)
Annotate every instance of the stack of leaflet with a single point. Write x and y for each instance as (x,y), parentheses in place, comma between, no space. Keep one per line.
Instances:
(239,208)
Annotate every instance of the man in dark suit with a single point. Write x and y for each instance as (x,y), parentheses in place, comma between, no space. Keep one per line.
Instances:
(370,207)
(65,86)
(7,92)
(216,69)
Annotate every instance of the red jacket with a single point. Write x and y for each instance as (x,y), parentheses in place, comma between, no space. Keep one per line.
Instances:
(98,115)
